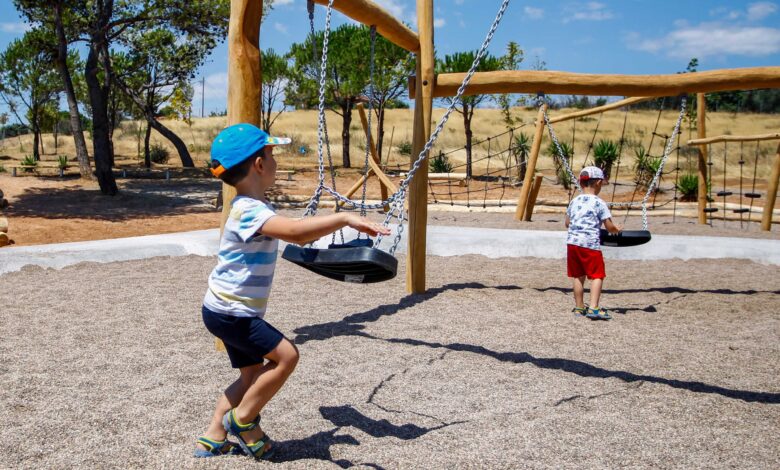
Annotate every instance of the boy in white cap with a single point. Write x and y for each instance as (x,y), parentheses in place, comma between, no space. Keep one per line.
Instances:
(235,302)
(584,217)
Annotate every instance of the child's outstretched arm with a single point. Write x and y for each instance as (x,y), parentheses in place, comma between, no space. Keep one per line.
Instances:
(302,231)
(611,227)
(567,221)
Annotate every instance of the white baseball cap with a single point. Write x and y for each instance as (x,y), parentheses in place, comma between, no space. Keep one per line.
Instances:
(591,173)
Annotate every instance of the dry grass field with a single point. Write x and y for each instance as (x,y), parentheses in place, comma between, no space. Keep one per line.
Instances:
(301,126)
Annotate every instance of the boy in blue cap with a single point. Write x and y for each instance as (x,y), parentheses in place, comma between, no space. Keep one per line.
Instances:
(584,217)
(235,302)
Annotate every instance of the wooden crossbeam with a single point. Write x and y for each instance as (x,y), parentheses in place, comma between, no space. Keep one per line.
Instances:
(601,109)
(734,138)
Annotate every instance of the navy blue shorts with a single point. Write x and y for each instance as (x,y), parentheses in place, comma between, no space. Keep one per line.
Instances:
(247,339)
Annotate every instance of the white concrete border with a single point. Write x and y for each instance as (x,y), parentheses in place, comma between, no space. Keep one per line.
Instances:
(442,241)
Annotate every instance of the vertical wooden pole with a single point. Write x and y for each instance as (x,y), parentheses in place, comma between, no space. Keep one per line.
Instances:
(372,150)
(418,188)
(771,194)
(244,74)
(530,167)
(701,129)
(244,79)
(529,208)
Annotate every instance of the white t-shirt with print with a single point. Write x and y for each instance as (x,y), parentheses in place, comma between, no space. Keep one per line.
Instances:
(240,283)
(586,214)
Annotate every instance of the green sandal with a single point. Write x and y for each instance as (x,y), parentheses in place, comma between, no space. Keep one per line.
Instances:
(235,428)
(215,448)
(580,310)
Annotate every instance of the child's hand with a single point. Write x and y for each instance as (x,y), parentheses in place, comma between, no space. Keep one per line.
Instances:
(364,225)
(619,227)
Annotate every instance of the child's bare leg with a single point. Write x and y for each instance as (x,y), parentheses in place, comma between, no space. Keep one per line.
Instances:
(230,399)
(579,291)
(282,362)
(595,291)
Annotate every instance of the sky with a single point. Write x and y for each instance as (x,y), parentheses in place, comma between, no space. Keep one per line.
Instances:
(617,36)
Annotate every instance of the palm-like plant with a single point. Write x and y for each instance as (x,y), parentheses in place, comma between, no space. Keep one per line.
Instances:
(605,153)
(560,168)
(645,166)
(688,186)
(521,147)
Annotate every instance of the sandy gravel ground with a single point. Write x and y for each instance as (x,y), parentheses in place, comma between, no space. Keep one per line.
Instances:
(109,366)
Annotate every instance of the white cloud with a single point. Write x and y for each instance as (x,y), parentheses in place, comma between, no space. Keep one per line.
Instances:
(439,22)
(394,7)
(711,39)
(283,2)
(533,13)
(216,86)
(760,10)
(14,28)
(281,27)
(590,11)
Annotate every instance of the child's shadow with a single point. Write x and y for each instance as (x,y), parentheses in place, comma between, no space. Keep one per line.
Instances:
(318,445)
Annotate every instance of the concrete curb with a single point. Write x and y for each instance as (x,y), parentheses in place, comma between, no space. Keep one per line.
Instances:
(442,241)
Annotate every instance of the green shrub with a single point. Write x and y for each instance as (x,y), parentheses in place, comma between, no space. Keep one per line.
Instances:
(560,169)
(158,154)
(2,168)
(440,164)
(605,153)
(405,148)
(29,161)
(688,186)
(62,162)
(521,148)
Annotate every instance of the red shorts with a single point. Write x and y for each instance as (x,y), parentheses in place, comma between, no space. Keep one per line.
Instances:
(585,262)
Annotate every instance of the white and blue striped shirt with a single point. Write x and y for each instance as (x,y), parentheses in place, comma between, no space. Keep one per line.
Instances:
(240,283)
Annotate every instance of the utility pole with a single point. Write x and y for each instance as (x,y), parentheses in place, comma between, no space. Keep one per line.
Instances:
(202,95)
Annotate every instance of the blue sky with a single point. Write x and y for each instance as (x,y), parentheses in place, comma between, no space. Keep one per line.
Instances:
(617,36)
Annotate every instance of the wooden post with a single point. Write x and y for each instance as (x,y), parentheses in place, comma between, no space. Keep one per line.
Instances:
(771,194)
(244,80)
(529,209)
(701,131)
(374,163)
(418,188)
(530,167)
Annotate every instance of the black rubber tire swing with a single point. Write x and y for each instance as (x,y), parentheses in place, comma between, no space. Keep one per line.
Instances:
(624,238)
(356,261)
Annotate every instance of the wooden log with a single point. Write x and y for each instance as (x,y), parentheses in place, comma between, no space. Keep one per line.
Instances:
(244,80)
(567,83)
(4,239)
(418,188)
(385,184)
(371,14)
(3,225)
(529,210)
(701,129)
(771,194)
(601,109)
(530,168)
(734,138)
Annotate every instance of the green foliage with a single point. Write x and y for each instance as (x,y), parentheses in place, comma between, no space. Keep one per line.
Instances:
(2,168)
(688,186)
(158,154)
(405,147)
(276,73)
(62,162)
(520,149)
(560,169)
(440,163)
(510,61)
(29,161)
(605,153)
(645,166)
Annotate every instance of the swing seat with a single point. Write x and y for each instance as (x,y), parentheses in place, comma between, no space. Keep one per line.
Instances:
(710,210)
(741,211)
(724,193)
(625,238)
(356,261)
(752,195)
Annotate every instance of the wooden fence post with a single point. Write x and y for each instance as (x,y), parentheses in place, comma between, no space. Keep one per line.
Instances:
(530,167)
(771,194)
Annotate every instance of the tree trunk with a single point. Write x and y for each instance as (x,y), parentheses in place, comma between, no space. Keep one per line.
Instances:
(181,147)
(101,146)
(346,114)
(70,93)
(380,132)
(36,143)
(467,128)
(147,154)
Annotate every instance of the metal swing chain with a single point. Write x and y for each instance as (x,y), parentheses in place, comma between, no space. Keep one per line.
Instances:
(396,199)
(651,188)
(401,192)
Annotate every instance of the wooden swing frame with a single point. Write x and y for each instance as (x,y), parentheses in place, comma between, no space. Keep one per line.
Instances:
(245,78)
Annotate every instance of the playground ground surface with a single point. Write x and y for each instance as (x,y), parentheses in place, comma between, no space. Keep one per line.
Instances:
(108,365)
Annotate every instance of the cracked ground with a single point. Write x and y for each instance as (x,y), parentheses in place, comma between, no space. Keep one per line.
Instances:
(108,365)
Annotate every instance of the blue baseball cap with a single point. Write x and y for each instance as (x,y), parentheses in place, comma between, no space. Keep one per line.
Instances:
(238,142)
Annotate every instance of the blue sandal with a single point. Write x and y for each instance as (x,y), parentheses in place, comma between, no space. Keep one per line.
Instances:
(215,448)
(256,450)
(598,314)
(580,310)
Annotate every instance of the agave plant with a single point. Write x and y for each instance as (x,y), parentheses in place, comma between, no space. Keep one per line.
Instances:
(62,162)
(688,186)
(440,163)
(605,153)
(560,169)
(29,162)
(521,147)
